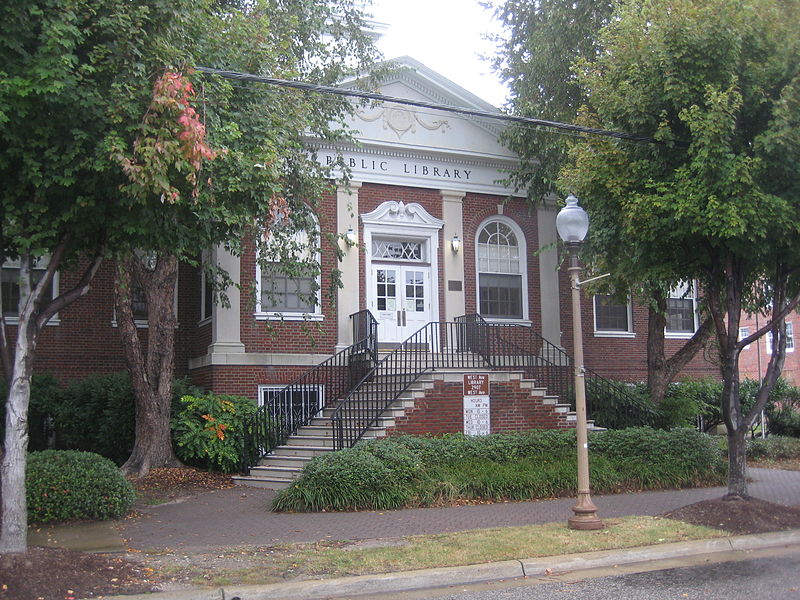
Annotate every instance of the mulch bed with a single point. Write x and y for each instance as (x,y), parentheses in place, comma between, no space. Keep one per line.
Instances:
(56,574)
(739,516)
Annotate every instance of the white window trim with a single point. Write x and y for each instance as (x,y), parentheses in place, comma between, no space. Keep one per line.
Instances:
(54,320)
(685,335)
(744,335)
(261,315)
(789,336)
(523,270)
(610,333)
(265,388)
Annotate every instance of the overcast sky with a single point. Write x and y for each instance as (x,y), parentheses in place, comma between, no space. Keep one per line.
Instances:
(444,35)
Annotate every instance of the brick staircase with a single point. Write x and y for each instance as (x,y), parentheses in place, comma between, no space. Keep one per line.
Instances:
(278,469)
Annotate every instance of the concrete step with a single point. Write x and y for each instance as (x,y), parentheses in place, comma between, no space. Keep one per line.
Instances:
(275,472)
(259,482)
(278,460)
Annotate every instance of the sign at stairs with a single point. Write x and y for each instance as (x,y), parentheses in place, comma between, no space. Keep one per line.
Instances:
(477,404)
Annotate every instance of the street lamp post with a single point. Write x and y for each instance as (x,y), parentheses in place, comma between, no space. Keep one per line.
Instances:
(572,223)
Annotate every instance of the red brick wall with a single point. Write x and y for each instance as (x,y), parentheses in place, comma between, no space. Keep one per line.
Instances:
(750,358)
(243,380)
(441,410)
(292,336)
(86,341)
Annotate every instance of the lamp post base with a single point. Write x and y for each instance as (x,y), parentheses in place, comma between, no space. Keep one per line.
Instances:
(585,518)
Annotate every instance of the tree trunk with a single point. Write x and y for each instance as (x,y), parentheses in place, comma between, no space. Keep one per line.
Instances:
(152,369)
(14,537)
(737,465)
(660,369)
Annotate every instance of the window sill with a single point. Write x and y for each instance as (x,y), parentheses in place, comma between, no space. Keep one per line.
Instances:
(501,320)
(679,336)
(140,324)
(205,321)
(289,317)
(54,320)
(614,334)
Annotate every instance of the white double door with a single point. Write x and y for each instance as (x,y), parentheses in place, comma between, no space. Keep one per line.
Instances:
(400,300)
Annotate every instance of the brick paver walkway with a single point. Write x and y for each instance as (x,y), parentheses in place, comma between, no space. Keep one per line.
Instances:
(241,516)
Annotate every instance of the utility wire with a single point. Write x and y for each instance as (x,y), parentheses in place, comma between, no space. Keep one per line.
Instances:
(325,89)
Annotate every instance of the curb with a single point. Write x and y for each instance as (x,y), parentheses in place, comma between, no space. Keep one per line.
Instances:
(406,581)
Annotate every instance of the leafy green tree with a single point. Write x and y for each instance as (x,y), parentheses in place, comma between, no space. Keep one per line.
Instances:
(84,169)
(67,69)
(221,162)
(544,42)
(717,83)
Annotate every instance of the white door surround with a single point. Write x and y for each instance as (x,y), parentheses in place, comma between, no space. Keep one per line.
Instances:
(406,239)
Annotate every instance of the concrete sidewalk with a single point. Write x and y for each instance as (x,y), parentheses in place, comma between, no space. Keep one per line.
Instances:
(240,517)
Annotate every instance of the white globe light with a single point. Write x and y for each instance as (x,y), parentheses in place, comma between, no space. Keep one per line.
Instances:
(572,221)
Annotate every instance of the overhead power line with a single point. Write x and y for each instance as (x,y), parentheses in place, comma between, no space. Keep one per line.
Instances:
(325,89)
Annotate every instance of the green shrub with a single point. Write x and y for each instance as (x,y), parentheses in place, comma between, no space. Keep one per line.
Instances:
(422,471)
(65,485)
(97,414)
(784,421)
(350,479)
(774,447)
(618,404)
(208,431)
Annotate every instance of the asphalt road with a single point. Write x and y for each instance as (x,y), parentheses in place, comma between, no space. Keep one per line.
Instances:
(770,574)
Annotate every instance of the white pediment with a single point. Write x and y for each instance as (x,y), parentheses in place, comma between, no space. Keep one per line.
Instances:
(402,214)
(423,147)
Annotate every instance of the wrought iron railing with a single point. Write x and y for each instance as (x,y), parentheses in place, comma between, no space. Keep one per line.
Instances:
(610,404)
(285,410)
(438,345)
(472,342)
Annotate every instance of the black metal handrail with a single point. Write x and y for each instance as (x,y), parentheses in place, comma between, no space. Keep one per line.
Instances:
(472,342)
(285,410)
(438,345)
(610,404)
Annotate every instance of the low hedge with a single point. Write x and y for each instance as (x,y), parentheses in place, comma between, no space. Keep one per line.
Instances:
(406,471)
(775,447)
(67,485)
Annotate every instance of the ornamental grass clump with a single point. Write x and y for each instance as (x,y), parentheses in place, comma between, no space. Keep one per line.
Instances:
(68,485)
(427,471)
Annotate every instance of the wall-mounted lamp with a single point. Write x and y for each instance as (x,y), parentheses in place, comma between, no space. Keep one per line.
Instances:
(455,244)
(350,236)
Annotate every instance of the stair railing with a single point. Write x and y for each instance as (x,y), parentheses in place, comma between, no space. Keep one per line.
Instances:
(438,345)
(471,342)
(285,410)
(610,404)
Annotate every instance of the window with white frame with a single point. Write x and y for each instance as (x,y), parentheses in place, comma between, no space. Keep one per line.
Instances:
(612,317)
(743,333)
(789,339)
(9,287)
(682,310)
(501,270)
(295,404)
(289,292)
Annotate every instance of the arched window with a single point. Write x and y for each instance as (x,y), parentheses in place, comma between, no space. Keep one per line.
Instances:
(287,278)
(502,270)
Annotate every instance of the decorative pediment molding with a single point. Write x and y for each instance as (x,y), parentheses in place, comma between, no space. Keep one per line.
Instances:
(401,120)
(402,214)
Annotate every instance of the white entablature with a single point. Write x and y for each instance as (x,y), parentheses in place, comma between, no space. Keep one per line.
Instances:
(421,147)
